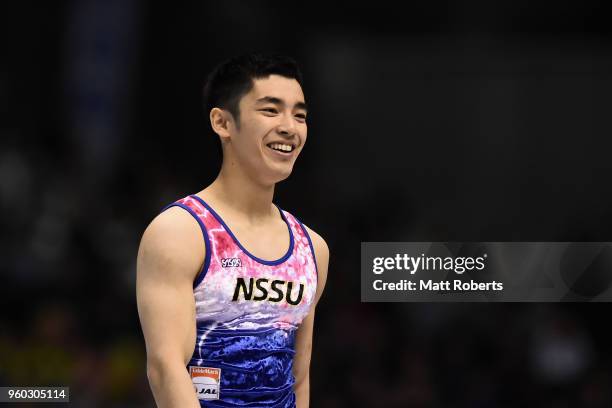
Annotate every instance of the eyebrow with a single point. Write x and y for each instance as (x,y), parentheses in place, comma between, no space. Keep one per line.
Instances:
(278,101)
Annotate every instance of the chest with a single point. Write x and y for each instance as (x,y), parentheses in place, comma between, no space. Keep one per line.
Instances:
(240,292)
(269,242)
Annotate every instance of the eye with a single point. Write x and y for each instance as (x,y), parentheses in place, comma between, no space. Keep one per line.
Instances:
(269,110)
(301,116)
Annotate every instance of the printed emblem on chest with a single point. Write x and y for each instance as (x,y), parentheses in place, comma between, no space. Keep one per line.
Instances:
(265,289)
(231,263)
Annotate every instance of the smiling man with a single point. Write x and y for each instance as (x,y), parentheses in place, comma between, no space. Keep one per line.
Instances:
(227,282)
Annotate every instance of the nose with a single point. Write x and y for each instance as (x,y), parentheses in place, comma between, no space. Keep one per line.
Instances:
(287,127)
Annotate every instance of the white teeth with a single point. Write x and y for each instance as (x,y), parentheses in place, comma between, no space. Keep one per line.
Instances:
(282,147)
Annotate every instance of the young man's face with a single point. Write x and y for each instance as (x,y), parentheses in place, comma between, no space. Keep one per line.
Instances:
(272,128)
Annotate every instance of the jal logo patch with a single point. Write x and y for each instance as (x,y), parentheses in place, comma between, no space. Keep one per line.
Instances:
(231,262)
(206,382)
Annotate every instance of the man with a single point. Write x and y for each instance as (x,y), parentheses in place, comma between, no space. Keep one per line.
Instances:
(227,283)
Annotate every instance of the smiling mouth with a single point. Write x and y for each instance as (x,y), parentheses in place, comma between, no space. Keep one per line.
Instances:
(282,148)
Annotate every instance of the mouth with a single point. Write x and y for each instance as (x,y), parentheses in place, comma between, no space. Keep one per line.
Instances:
(284,149)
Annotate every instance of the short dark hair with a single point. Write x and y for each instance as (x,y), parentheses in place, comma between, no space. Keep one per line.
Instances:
(233,78)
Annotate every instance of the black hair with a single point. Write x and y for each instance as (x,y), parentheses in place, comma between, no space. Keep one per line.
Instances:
(233,78)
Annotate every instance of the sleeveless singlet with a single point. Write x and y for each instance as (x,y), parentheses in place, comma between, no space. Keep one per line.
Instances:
(247,313)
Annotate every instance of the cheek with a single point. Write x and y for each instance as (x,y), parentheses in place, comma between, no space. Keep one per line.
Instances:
(248,139)
(304,134)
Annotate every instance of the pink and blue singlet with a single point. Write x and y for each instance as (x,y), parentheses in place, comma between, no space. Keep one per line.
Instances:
(247,313)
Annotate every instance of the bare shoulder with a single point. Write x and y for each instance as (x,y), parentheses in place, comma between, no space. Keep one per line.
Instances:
(173,241)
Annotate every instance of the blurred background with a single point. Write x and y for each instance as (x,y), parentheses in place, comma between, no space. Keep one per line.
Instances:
(428,121)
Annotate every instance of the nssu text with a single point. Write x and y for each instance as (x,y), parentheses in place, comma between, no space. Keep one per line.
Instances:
(274,291)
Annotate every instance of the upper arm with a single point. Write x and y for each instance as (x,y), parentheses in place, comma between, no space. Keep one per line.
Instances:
(171,254)
(303,344)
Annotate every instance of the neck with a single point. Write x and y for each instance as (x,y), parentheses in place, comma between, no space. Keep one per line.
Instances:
(237,190)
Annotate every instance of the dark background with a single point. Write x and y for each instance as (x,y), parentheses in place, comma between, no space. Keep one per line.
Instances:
(433,121)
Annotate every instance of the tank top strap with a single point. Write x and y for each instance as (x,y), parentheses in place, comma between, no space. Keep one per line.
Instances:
(303,242)
(210,227)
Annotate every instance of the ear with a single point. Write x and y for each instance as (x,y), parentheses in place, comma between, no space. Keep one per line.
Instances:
(220,120)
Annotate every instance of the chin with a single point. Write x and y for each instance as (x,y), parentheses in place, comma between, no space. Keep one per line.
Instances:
(280,175)
(285,177)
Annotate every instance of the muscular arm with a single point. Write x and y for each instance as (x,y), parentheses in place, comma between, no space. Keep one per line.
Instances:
(303,342)
(170,255)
